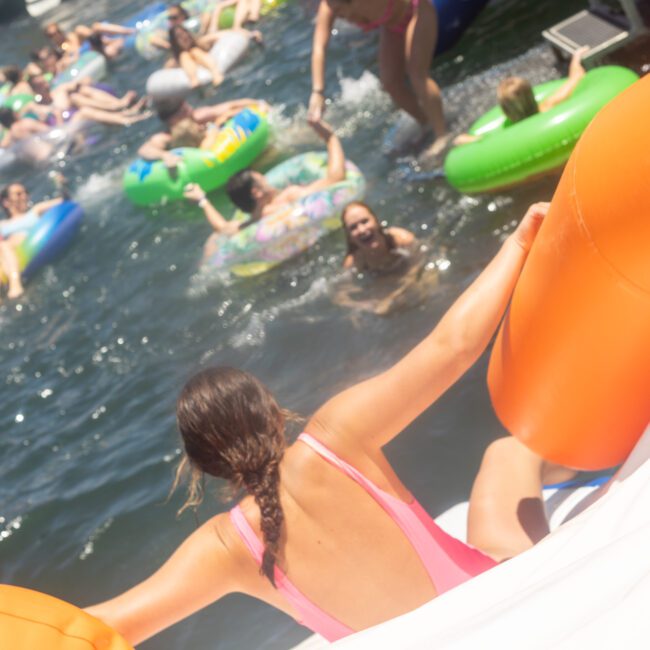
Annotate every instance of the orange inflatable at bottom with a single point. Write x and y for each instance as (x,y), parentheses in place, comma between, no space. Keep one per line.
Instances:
(569,373)
(30,620)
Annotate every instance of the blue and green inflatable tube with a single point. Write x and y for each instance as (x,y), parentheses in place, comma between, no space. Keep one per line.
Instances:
(49,237)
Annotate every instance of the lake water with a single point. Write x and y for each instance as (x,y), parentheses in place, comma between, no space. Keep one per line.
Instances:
(94,354)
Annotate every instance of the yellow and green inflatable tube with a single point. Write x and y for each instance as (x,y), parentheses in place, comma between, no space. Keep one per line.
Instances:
(240,141)
(508,154)
(227,16)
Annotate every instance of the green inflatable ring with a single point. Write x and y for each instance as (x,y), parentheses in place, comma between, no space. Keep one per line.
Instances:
(508,154)
(17,102)
(239,142)
(294,227)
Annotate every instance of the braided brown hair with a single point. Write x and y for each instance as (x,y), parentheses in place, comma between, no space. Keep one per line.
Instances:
(233,428)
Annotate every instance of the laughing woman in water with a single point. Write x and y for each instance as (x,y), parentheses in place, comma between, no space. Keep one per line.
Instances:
(326,531)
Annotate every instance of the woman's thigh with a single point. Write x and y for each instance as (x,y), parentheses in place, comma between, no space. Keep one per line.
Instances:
(420,41)
(392,61)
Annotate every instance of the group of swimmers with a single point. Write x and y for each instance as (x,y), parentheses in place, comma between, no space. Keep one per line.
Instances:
(326,531)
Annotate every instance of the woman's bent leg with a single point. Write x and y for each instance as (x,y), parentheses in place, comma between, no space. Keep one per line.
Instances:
(204,59)
(187,62)
(506,508)
(392,72)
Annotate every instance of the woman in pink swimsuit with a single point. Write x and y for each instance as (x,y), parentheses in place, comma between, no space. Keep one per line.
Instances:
(409,31)
(326,531)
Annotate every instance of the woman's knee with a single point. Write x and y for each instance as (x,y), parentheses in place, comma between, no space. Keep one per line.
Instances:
(421,82)
(504,451)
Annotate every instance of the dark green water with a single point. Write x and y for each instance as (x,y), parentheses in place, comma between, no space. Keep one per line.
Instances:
(94,355)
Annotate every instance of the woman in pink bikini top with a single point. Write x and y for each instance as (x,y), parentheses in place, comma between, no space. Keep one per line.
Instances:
(326,531)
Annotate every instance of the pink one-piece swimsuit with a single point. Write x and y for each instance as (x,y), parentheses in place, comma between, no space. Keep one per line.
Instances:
(448,561)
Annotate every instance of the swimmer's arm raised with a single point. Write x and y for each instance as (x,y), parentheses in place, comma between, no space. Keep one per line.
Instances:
(576,73)
(199,572)
(373,412)
(335,159)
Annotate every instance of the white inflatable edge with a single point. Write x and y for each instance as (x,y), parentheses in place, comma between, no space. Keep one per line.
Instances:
(173,83)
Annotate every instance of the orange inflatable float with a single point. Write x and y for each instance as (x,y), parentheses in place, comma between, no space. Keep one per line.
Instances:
(30,620)
(569,373)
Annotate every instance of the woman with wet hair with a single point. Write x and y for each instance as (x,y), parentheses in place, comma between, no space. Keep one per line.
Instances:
(370,246)
(325,531)
(189,55)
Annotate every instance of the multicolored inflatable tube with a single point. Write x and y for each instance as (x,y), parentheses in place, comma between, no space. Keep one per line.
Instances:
(174,84)
(89,64)
(508,154)
(30,620)
(241,140)
(48,237)
(294,228)
(570,368)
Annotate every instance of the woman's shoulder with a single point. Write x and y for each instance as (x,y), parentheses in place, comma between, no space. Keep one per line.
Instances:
(401,236)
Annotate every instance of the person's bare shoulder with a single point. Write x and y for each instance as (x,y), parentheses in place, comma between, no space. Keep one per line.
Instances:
(401,236)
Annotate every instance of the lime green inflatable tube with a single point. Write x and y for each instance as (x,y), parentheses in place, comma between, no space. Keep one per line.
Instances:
(17,102)
(241,140)
(508,154)
(227,16)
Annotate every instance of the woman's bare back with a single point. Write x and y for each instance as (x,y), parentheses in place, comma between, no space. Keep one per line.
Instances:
(340,548)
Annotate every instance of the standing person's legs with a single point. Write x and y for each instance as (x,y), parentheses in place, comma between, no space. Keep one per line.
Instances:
(506,508)
(421,39)
(392,72)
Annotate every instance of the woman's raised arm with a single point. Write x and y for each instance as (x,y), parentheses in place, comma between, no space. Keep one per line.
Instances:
(373,412)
